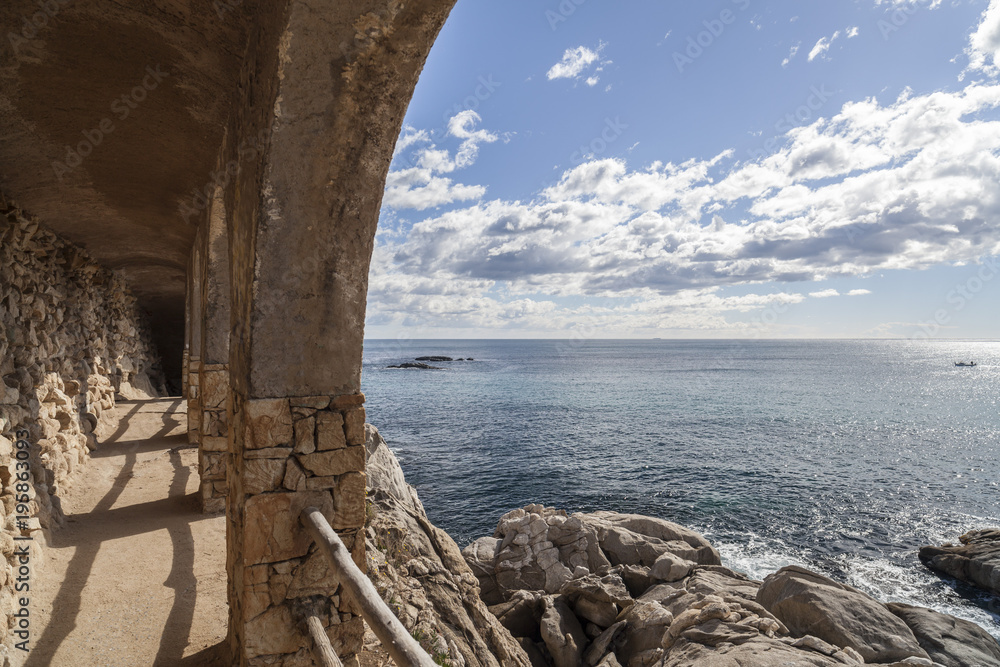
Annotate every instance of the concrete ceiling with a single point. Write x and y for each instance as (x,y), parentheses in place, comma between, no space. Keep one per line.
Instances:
(144,87)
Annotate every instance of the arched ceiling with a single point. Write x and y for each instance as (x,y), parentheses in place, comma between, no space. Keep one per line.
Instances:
(143,88)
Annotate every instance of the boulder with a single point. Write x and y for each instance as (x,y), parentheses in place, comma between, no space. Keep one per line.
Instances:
(811,604)
(609,661)
(562,633)
(669,567)
(481,556)
(637,579)
(607,642)
(632,539)
(950,641)
(645,623)
(600,588)
(719,580)
(759,652)
(975,561)
(542,549)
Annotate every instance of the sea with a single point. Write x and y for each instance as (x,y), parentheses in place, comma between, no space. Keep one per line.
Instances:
(841,456)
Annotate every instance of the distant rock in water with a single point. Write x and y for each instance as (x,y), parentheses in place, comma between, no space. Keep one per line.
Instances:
(438,359)
(410,364)
(975,561)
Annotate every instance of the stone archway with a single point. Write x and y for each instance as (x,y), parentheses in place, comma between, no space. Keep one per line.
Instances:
(324,89)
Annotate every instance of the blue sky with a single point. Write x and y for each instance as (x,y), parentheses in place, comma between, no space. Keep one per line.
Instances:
(670,169)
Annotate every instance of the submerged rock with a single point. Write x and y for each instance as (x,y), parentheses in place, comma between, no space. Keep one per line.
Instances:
(975,561)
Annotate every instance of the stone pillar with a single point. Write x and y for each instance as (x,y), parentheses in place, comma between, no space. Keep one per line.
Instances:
(297,453)
(187,330)
(194,346)
(326,87)
(214,371)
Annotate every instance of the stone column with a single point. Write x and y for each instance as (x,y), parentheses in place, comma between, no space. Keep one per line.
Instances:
(326,85)
(189,279)
(194,347)
(214,371)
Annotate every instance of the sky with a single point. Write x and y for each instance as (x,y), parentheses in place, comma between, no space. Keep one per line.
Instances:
(719,169)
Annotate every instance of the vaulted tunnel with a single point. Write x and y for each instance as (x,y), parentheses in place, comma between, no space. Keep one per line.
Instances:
(227,161)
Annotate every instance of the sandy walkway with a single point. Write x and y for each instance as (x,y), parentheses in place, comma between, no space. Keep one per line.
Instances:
(138,575)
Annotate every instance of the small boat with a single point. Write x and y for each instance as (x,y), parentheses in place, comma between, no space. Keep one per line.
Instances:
(965,364)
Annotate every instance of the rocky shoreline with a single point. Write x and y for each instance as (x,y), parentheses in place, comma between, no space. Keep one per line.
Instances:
(607,589)
(975,561)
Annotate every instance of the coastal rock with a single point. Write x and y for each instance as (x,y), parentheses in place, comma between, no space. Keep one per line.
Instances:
(437,359)
(811,604)
(975,561)
(562,633)
(421,573)
(950,641)
(605,643)
(543,549)
(645,624)
(417,365)
(637,592)
(521,614)
(759,652)
(481,556)
(631,539)
(669,567)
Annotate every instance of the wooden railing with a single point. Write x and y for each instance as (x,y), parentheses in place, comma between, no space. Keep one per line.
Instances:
(403,648)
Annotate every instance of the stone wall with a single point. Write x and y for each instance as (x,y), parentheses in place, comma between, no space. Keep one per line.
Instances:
(71,342)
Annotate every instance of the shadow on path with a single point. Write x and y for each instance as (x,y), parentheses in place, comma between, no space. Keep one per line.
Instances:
(123,522)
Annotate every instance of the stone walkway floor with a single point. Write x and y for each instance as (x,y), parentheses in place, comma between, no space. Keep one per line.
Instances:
(138,575)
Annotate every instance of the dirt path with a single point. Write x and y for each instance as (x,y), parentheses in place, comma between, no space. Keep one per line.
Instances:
(138,575)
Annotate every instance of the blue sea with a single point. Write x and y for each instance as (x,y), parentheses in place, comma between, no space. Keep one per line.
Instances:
(842,456)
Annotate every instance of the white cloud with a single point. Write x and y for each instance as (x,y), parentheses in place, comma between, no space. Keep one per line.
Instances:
(822,46)
(909,184)
(419,185)
(791,54)
(577,62)
(461,126)
(930,4)
(853,32)
(984,44)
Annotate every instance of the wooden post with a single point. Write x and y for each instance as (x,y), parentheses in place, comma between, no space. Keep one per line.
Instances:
(404,649)
(322,649)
